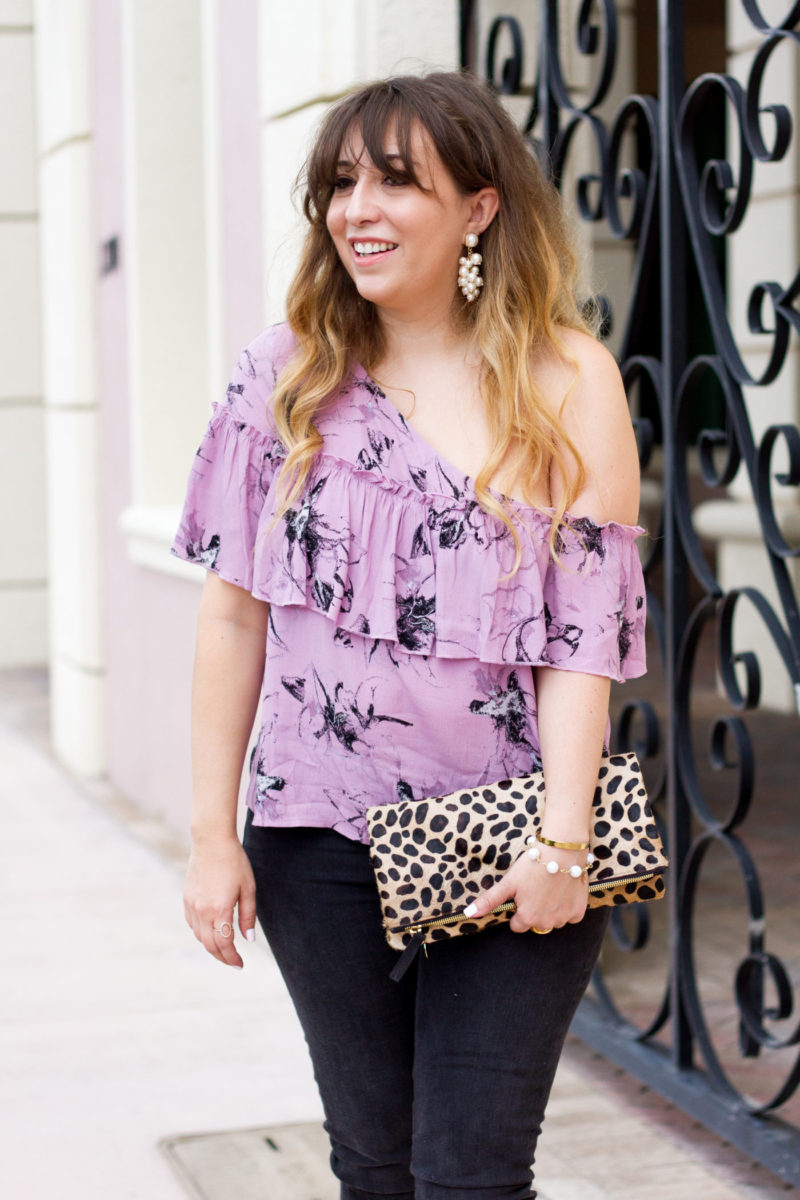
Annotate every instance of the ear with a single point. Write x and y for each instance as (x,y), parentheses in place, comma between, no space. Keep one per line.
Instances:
(483,209)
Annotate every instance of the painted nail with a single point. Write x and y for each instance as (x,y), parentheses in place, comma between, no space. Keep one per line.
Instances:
(470,910)
(251,935)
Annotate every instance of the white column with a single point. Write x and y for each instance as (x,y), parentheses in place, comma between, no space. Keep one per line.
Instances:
(63,51)
(231,125)
(767,247)
(166,253)
(212,85)
(23,563)
(193,251)
(411,36)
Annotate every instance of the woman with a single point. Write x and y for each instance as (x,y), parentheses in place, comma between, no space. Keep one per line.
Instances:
(381,502)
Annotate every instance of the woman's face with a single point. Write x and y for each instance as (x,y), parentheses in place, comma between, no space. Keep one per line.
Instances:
(399,244)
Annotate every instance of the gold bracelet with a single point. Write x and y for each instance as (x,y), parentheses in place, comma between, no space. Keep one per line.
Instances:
(562,845)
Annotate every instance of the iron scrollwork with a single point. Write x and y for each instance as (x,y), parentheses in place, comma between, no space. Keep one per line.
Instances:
(630,163)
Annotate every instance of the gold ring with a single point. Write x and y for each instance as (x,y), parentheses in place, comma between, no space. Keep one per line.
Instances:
(535,930)
(225,929)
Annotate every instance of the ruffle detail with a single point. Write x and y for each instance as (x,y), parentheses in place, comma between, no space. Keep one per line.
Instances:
(231,478)
(382,559)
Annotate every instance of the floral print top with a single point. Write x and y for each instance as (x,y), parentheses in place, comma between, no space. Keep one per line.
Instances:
(398,657)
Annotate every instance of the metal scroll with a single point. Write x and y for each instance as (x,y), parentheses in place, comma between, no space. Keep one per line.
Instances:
(699,1001)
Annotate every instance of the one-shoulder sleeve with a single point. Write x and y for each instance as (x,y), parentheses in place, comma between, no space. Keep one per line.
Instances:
(594,601)
(235,468)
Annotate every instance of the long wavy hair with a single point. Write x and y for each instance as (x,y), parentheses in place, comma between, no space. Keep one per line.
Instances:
(529,295)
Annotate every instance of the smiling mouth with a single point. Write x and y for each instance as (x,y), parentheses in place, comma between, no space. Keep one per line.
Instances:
(365,249)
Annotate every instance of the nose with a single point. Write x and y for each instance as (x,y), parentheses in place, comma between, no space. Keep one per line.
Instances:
(361,205)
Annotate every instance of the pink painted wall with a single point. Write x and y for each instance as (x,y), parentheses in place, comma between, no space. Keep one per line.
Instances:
(149,617)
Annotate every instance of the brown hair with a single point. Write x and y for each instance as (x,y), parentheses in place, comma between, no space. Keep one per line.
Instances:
(528,265)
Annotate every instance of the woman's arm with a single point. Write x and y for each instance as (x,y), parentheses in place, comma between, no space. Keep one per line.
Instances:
(572,712)
(572,707)
(228,670)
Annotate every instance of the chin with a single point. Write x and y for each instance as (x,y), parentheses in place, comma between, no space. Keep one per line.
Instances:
(382,297)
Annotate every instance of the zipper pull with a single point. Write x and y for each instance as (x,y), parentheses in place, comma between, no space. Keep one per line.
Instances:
(407,957)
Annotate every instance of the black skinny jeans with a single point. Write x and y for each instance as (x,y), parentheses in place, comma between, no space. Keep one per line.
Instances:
(434,1088)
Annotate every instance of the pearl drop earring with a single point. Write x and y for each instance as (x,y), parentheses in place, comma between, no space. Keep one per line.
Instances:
(470,280)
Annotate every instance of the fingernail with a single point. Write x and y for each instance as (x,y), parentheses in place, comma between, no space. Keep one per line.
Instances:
(250,935)
(236,967)
(470,910)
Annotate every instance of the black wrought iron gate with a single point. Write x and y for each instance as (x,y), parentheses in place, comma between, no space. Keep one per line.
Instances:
(709,1021)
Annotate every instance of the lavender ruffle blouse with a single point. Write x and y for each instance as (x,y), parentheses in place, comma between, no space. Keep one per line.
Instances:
(398,659)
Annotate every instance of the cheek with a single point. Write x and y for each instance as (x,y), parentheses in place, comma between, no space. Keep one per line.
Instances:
(442,254)
(340,245)
(335,226)
(334,219)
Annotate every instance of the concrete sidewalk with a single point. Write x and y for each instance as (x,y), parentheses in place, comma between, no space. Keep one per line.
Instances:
(116,1028)
(118,1032)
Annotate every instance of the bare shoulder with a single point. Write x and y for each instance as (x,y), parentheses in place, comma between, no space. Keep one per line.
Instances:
(586,391)
(582,372)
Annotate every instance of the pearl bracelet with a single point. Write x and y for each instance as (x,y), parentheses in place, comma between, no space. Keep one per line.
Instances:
(552,867)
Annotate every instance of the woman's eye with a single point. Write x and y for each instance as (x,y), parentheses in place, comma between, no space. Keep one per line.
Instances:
(342,182)
(393,181)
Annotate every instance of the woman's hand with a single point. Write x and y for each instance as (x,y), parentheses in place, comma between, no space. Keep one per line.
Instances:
(218,879)
(228,669)
(543,901)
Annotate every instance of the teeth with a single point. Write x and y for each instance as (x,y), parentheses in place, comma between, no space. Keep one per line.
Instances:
(373,247)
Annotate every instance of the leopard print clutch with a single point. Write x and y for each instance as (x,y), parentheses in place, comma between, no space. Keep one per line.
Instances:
(432,857)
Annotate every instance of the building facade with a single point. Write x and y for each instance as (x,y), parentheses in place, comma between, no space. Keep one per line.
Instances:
(149,153)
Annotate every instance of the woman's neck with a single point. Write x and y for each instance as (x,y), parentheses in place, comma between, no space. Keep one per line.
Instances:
(426,338)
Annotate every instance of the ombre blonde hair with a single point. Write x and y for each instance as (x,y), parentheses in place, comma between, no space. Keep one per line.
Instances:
(529,268)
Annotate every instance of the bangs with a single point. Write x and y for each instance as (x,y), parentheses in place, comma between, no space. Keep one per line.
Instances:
(371,117)
(389,114)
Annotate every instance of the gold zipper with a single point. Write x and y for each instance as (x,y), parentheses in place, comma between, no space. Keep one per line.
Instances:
(451,919)
(510,906)
(601,884)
